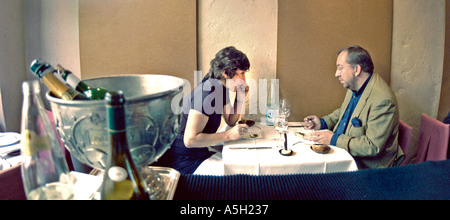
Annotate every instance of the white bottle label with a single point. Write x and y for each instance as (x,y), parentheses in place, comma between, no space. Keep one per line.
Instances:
(270,114)
(117,174)
(72,80)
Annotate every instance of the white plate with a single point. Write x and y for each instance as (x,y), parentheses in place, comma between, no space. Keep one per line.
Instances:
(296,124)
(4,164)
(255,131)
(9,138)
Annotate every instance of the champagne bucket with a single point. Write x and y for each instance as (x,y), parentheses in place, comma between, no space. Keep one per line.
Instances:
(152,112)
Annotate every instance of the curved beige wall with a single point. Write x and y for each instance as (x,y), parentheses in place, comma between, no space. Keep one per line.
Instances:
(138,37)
(417,60)
(250,26)
(309,35)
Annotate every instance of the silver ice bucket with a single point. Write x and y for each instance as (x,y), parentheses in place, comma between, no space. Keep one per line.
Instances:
(150,116)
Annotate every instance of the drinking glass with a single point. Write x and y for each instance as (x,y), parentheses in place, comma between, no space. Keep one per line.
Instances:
(281,125)
(285,107)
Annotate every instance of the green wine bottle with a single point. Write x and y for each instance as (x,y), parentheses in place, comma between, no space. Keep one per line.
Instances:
(45,72)
(122,180)
(74,82)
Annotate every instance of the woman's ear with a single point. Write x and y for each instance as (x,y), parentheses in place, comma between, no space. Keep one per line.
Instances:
(224,75)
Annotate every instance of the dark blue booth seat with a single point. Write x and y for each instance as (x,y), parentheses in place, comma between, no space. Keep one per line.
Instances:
(429,180)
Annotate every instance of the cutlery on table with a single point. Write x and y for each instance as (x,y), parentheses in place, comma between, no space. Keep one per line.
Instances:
(249,148)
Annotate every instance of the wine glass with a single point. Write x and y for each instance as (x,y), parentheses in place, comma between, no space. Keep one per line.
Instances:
(281,125)
(285,107)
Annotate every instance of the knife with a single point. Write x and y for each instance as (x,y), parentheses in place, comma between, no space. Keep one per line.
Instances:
(249,148)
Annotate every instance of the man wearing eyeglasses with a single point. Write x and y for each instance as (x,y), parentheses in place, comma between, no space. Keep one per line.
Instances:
(366,124)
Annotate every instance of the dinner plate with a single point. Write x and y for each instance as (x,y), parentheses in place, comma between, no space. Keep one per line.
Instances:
(253,131)
(305,134)
(4,164)
(9,138)
(296,124)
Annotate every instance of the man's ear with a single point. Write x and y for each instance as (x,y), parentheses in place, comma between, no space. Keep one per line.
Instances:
(358,70)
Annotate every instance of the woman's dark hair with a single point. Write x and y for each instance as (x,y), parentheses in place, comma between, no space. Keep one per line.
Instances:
(228,59)
(358,56)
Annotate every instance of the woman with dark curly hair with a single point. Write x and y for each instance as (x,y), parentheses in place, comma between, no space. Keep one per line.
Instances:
(203,109)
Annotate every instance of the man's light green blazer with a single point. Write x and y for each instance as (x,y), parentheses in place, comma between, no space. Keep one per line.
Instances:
(371,136)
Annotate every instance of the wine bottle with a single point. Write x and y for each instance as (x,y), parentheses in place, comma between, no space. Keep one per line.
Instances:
(45,72)
(74,82)
(45,173)
(122,180)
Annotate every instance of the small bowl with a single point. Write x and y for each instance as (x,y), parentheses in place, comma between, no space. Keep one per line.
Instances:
(321,148)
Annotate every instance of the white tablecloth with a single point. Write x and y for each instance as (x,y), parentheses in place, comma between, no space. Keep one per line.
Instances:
(269,161)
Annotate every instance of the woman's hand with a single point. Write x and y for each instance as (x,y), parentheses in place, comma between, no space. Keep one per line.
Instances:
(242,92)
(232,113)
(237,131)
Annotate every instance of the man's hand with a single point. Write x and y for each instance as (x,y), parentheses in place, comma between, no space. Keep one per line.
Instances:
(322,136)
(313,122)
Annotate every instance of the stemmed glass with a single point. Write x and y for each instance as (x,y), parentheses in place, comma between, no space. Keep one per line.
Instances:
(281,125)
(285,107)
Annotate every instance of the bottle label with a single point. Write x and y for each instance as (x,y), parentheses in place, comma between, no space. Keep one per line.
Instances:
(32,143)
(72,80)
(56,86)
(69,94)
(117,174)
(271,112)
